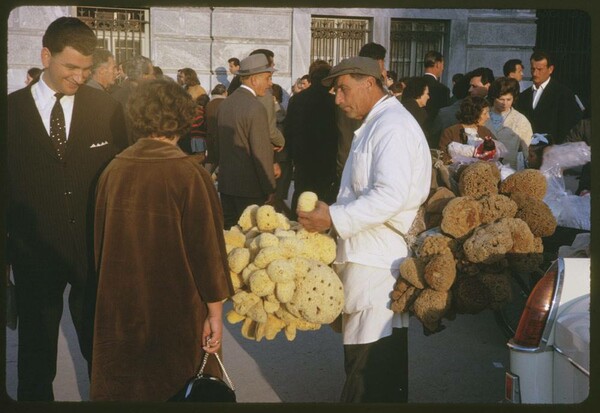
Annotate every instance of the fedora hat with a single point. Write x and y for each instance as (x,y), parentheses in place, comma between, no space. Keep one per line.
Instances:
(253,64)
(354,66)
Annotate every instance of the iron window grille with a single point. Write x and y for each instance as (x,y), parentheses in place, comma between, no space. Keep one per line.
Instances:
(335,39)
(410,40)
(124,32)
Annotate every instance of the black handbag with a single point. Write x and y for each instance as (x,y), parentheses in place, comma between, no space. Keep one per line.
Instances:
(204,388)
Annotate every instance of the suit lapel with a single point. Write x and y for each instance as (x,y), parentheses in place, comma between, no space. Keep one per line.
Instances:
(78,120)
(546,96)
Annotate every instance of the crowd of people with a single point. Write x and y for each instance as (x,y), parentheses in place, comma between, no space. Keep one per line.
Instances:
(121,181)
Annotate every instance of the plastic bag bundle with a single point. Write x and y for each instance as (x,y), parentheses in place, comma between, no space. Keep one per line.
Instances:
(565,156)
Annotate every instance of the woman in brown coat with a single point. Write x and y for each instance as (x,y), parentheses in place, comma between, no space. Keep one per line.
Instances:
(473,114)
(160,257)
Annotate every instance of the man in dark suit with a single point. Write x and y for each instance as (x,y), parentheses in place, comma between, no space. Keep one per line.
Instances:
(246,173)
(312,135)
(61,134)
(439,94)
(550,106)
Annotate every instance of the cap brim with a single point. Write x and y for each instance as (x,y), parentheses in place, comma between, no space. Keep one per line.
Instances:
(328,81)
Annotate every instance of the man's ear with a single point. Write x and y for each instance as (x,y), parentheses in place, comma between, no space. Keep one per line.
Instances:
(46,57)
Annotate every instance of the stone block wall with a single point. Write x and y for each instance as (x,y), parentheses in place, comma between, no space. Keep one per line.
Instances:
(203,38)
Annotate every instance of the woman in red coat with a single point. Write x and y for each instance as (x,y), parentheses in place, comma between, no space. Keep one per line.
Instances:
(160,256)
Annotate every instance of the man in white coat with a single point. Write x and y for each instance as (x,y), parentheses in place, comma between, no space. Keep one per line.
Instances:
(385,180)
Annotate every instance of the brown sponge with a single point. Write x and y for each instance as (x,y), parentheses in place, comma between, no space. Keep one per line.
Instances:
(496,206)
(536,214)
(460,217)
(530,182)
(479,179)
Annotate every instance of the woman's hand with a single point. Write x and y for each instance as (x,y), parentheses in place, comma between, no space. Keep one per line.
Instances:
(212,333)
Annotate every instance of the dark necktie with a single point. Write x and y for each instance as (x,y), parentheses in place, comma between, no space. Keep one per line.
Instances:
(58,133)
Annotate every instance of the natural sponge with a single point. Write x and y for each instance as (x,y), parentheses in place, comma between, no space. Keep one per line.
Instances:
(440,272)
(266,218)
(536,214)
(307,201)
(238,259)
(523,238)
(489,243)
(460,217)
(247,219)
(319,295)
(530,182)
(470,295)
(499,287)
(496,206)
(430,306)
(479,179)
(403,296)
(412,270)
(437,244)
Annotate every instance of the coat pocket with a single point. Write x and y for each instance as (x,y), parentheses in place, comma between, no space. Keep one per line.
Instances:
(360,171)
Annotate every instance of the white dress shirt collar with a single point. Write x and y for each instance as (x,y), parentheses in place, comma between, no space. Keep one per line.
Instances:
(44,99)
(249,88)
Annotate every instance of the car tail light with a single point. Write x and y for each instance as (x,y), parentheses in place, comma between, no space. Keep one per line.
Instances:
(537,309)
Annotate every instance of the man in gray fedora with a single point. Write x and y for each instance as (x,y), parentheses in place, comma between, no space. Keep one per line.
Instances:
(246,174)
(385,180)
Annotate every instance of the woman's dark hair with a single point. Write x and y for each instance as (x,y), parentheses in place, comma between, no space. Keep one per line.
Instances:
(503,86)
(219,89)
(470,110)
(397,87)
(203,99)
(415,87)
(277,92)
(160,108)
(318,70)
(190,77)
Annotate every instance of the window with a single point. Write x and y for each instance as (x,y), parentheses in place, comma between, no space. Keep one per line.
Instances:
(335,39)
(124,32)
(410,40)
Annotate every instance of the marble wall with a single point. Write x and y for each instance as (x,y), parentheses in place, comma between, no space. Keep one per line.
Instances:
(203,38)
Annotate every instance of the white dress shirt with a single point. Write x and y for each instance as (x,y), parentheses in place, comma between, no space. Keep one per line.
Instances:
(44,101)
(537,92)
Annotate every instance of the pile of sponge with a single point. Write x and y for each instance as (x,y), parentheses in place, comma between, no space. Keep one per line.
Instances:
(281,274)
(476,238)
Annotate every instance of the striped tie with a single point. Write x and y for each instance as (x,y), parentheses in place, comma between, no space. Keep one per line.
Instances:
(58,132)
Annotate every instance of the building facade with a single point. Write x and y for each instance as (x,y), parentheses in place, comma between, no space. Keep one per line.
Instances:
(204,38)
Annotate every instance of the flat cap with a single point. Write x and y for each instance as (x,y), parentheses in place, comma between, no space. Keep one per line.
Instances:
(354,66)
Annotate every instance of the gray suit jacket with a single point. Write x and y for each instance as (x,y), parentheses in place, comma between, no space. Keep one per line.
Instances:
(275,134)
(245,150)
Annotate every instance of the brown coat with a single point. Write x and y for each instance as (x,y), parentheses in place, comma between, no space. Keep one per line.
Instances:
(160,256)
(452,134)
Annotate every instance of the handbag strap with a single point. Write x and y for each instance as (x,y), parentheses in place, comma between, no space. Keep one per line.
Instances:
(222,369)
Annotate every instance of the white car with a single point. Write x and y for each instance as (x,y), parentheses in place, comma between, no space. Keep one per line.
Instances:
(550,351)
